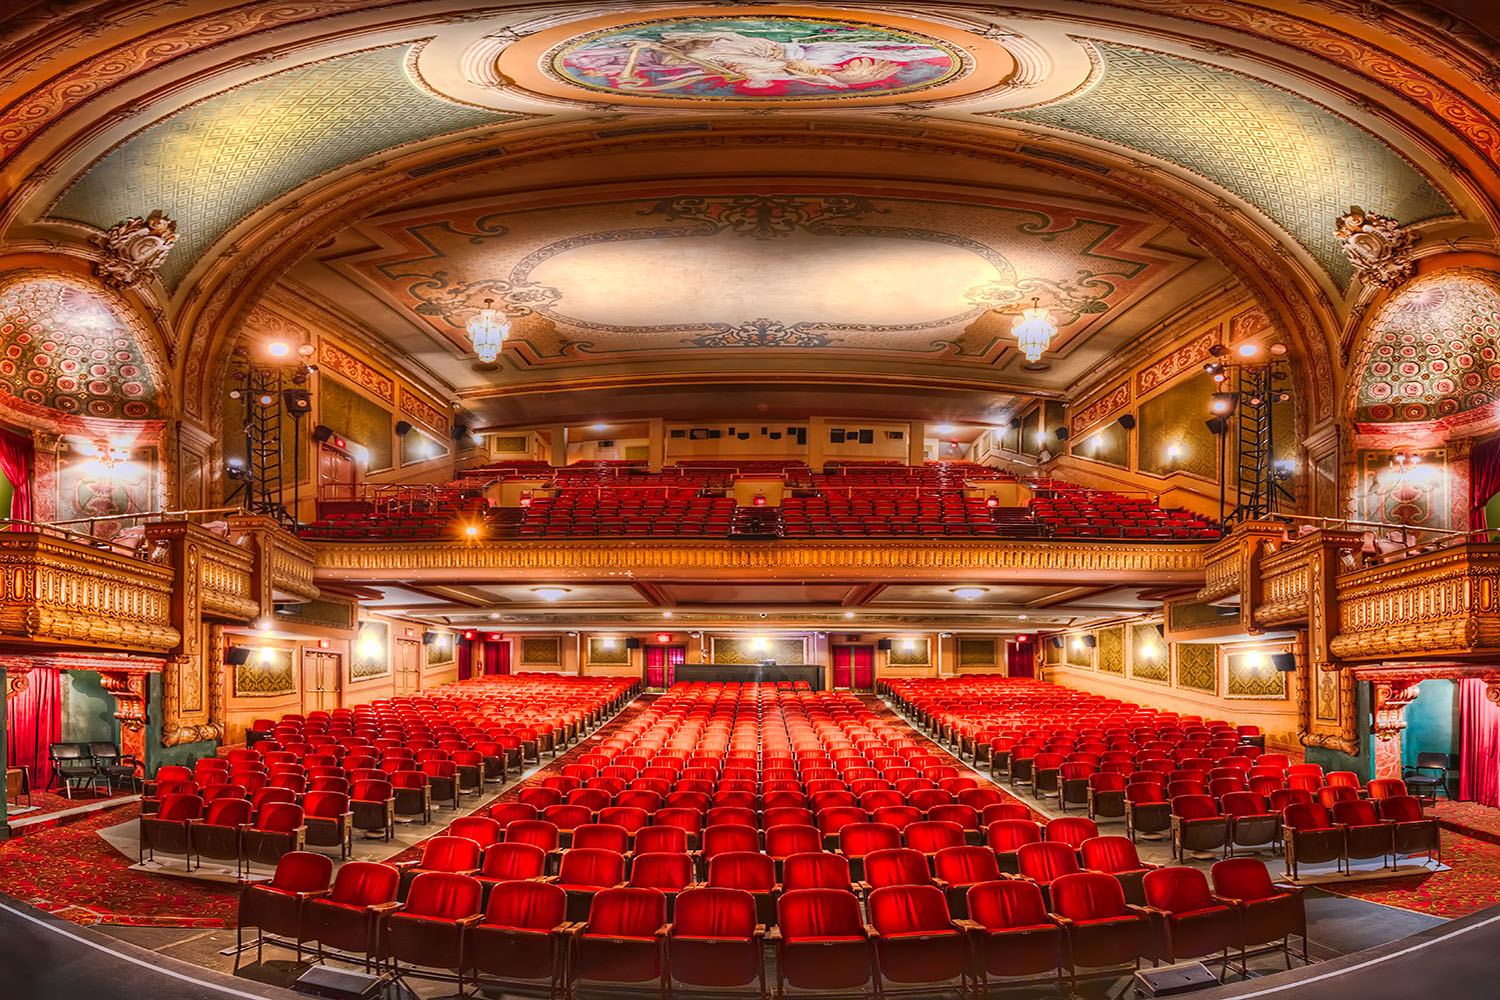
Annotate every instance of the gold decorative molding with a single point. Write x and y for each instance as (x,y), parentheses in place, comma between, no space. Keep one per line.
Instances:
(1230,566)
(1443,605)
(283,563)
(846,559)
(60,592)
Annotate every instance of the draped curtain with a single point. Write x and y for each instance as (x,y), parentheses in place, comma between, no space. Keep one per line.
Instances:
(16,466)
(656,666)
(1020,659)
(33,721)
(1479,744)
(862,659)
(496,656)
(676,657)
(843,662)
(1484,479)
(463,651)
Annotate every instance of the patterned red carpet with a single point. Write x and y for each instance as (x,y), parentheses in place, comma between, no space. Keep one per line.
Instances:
(71,871)
(1472,884)
(1468,818)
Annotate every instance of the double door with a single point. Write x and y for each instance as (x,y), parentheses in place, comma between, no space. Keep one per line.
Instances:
(322,680)
(407,665)
(854,668)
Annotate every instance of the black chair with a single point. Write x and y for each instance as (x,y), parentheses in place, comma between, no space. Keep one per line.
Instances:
(117,767)
(73,764)
(1423,785)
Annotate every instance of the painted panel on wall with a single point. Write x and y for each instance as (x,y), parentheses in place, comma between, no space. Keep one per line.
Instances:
(737,650)
(1326,705)
(1149,658)
(1112,650)
(918,654)
(608,652)
(1077,654)
(441,650)
(323,611)
(542,650)
(372,651)
(976,653)
(1108,445)
(358,420)
(1174,419)
(1251,675)
(87,487)
(267,673)
(1197,667)
(1415,491)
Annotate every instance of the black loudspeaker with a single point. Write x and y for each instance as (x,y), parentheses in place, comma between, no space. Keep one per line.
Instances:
(883,644)
(1062,433)
(322,432)
(297,401)
(342,984)
(1127,422)
(1057,642)
(460,431)
(237,655)
(1161,629)
(431,637)
(631,642)
(1090,641)
(403,427)
(1015,421)
(1285,662)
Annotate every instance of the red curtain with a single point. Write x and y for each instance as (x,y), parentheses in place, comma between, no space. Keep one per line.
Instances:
(676,657)
(656,666)
(496,656)
(1020,659)
(464,652)
(1484,479)
(16,466)
(862,658)
(843,662)
(1479,744)
(33,721)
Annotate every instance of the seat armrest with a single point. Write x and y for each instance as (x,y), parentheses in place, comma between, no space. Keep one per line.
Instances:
(1147,911)
(1229,900)
(759,932)
(972,926)
(664,930)
(470,921)
(315,894)
(384,909)
(871,932)
(1061,920)
(773,934)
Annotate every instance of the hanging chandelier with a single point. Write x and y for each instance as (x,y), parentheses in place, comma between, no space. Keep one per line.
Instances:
(1034,331)
(488,329)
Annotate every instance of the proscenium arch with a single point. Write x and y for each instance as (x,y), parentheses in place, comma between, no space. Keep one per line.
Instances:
(1250,254)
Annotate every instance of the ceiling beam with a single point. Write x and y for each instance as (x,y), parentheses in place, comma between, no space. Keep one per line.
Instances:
(862,595)
(1068,595)
(654,595)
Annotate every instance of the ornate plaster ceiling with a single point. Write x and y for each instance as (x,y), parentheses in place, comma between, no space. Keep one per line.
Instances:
(1291,158)
(212,164)
(1432,351)
(64,347)
(767,278)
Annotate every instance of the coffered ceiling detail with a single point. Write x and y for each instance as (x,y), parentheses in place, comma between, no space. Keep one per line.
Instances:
(1294,160)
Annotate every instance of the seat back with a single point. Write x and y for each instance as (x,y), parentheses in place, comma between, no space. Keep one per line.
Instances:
(816,870)
(1009,834)
(932,836)
(1242,878)
(909,909)
(1401,808)
(365,883)
(661,840)
(748,870)
(818,914)
(1243,804)
(303,871)
(999,905)
(660,870)
(1177,889)
(533,831)
(443,896)
(1046,861)
(605,835)
(1070,830)
(450,854)
(714,912)
(897,866)
(1307,816)
(859,839)
(1088,896)
(1359,812)
(279,817)
(1195,807)
(228,812)
(966,865)
(1111,855)
(627,912)
(180,807)
(591,867)
(526,905)
(483,830)
(507,861)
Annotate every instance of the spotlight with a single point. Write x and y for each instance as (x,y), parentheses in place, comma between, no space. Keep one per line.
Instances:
(909,645)
(278,349)
(1249,350)
(1223,404)
(1174,450)
(1218,350)
(848,614)
(266,400)
(946,429)
(992,501)
(1278,349)
(666,614)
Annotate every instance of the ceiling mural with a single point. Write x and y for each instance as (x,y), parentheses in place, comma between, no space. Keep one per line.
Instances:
(1432,351)
(756,58)
(212,164)
(63,346)
(1293,159)
(902,277)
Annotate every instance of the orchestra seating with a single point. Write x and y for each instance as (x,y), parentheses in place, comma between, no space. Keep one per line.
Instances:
(720,822)
(695,500)
(309,781)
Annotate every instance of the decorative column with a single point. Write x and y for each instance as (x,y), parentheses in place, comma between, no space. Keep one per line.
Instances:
(131,694)
(1392,695)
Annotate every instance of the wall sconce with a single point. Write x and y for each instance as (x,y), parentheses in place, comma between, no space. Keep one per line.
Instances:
(909,645)
(1174,451)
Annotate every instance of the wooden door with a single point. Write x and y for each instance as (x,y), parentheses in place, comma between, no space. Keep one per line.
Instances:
(336,474)
(322,680)
(408,665)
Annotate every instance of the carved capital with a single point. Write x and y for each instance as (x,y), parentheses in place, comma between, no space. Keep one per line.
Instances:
(1391,698)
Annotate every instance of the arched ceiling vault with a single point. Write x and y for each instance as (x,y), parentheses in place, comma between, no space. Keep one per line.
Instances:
(276,128)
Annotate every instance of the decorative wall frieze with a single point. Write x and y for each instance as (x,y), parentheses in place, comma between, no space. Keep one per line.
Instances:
(851,559)
(1231,566)
(283,564)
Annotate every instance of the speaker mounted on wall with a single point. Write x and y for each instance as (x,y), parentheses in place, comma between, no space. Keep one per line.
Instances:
(1062,433)
(237,656)
(1128,421)
(403,427)
(883,644)
(1284,662)
(632,642)
(1090,641)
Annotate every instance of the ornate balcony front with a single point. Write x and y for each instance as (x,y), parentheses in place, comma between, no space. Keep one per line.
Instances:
(63,593)
(1442,606)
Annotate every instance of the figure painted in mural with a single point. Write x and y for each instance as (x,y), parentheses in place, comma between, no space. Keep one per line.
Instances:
(728,58)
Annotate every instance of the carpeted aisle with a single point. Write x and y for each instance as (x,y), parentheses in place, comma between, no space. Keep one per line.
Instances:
(72,872)
(1472,884)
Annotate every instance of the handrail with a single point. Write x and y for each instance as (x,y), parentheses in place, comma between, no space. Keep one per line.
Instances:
(148,514)
(94,541)
(1381,524)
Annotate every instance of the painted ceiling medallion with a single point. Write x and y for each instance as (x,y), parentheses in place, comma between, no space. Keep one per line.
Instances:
(751,57)
(755,58)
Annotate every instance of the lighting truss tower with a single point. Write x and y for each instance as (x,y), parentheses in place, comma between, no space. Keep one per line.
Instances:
(1259,486)
(268,394)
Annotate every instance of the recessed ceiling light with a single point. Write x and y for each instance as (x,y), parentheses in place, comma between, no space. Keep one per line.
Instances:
(666,614)
(848,614)
(600,427)
(1023,618)
(970,593)
(494,614)
(549,593)
(946,428)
